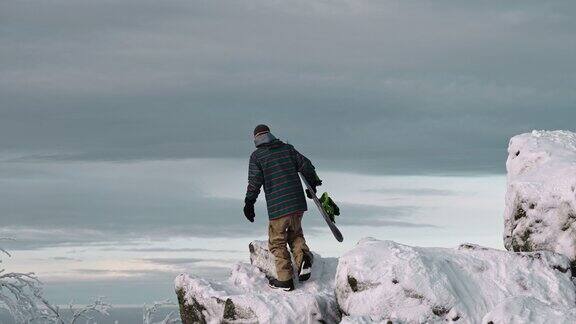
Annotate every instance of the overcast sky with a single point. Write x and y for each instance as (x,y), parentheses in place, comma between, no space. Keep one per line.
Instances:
(127,124)
(369,86)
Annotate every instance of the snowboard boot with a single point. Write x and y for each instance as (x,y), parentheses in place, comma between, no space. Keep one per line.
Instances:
(287,285)
(305,270)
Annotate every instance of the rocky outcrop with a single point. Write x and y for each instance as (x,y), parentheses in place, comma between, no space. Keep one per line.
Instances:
(381,281)
(246,298)
(386,282)
(540,212)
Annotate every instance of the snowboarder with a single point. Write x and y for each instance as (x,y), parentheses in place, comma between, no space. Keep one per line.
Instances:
(275,165)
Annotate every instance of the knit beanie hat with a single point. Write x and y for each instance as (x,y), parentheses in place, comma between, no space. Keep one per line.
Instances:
(261,129)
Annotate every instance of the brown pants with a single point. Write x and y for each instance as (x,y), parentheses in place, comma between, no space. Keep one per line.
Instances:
(287,229)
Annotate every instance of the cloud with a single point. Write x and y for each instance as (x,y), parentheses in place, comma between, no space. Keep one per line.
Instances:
(377,216)
(178,261)
(112,206)
(413,191)
(381,87)
(130,288)
(64,258)
(83,203)
(388,223)
(169,249)
(136,272)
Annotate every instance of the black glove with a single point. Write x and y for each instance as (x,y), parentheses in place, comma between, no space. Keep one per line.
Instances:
(308,194)
(317,182)
(249,210)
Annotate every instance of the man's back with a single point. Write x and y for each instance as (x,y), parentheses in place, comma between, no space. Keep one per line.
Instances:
(277,165)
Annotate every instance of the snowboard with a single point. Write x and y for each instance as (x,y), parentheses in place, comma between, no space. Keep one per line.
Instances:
(331,225)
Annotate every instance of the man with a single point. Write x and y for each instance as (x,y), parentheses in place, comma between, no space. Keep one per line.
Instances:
(275,165)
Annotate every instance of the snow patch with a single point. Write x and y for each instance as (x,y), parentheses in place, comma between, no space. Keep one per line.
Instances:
(526,309)
(379,281)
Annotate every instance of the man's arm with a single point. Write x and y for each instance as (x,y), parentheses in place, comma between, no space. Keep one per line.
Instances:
(255,180)
(304,166)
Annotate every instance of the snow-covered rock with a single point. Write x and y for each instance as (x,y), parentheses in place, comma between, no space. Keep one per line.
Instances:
(526,309)
(381,281)
(540,211)
(246,298)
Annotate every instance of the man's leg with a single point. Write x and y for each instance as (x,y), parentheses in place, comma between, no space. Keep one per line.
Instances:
(277,239)
(296,239)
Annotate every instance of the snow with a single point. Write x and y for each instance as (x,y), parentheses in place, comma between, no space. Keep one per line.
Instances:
(526,309)
(540,212)
(379,281)
(254,301)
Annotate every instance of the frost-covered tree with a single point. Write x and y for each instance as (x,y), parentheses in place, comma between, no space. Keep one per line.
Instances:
(72,313)
(149,311)
(21,295)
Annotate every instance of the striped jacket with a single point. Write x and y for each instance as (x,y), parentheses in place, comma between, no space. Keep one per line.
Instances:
(275,165)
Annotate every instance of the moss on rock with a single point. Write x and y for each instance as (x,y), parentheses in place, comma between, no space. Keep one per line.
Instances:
(190,313)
